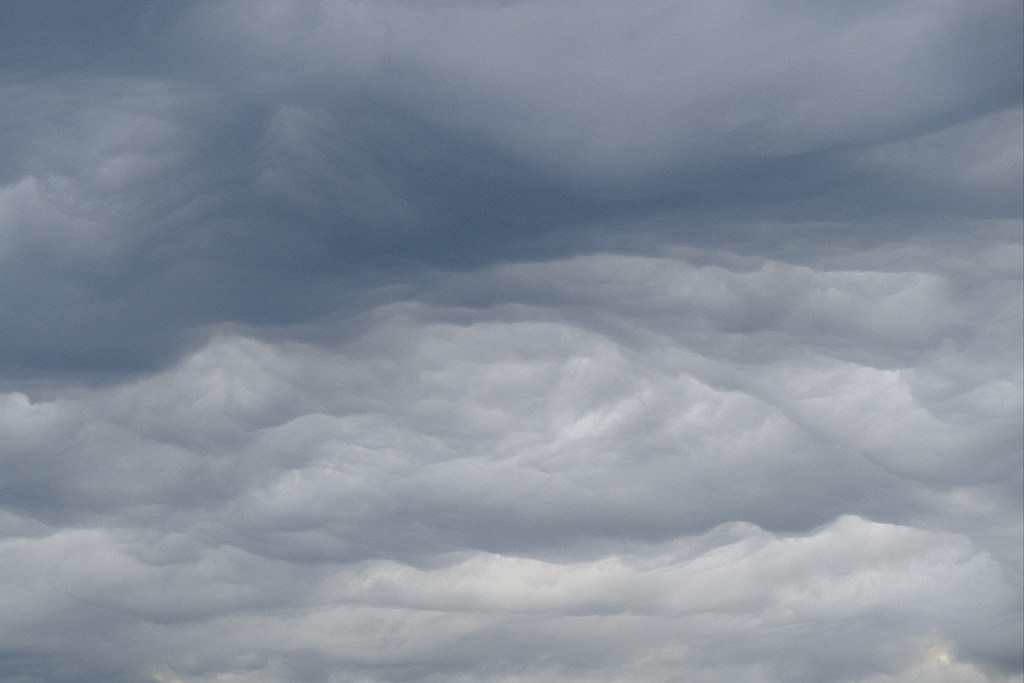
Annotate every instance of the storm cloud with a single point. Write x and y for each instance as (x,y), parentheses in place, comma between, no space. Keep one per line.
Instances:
(511,341)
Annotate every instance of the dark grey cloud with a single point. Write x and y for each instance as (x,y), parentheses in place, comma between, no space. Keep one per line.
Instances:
(492,341)
(257,162)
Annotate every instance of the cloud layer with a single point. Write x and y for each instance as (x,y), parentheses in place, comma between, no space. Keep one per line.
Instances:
(497,341)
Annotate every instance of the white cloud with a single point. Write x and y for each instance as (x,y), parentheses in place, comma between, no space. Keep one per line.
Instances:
(428,489)
(697,603)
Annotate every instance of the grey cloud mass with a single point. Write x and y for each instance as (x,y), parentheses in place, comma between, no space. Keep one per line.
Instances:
(462,341)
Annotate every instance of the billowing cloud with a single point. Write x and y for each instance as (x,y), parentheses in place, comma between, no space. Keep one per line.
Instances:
(506,341)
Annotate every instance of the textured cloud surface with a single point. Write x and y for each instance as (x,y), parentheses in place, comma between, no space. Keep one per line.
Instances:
(511,341)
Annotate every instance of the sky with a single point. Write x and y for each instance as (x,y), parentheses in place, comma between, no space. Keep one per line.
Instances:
(511,341)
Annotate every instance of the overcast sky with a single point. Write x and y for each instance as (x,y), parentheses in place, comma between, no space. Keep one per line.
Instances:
(511,341)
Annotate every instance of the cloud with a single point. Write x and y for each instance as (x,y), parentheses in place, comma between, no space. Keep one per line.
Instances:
(738,601)
(503,341)
(257,163)
(605,95)
(599,481)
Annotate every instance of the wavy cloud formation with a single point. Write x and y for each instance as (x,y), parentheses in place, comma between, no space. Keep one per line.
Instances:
(509,341)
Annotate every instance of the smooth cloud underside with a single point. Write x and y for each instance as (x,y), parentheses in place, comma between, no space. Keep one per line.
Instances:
(511,341)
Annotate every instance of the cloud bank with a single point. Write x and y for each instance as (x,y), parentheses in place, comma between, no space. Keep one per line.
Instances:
(511,341)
